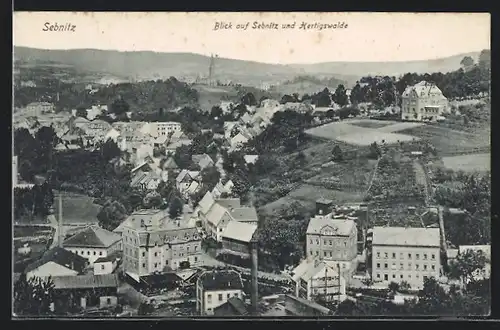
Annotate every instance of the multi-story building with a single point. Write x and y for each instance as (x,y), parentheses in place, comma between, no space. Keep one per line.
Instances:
(93,243)
(405,254)
(214,288)
(152,241)
(332,239)
(423,101)
(316,279)
(36,109)
(237,236)
(157,129)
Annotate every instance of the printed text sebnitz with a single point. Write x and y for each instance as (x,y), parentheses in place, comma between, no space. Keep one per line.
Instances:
(67,27)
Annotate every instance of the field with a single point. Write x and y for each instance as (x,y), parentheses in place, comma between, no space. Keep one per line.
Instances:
(77,208)
(450,141)
(364,132)
(468,163)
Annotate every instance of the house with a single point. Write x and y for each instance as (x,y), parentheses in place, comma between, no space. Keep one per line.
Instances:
(229,127)
(232,307)
(220,188)
(157,129)
(185,178)
(107,264)
(93,242)
(269,103)
(169,164)
(479,274)
(86,291)
(251,159)
(57,262)
(193,188)
(244,214)
(36,109)
(216,221)
(112,134)
(332,239)
(214,288)
(239,140)
(152,241)
(423,101)
(317,279)
(203,161)
(148,181)
(245,119)
(405,254)
(236,237)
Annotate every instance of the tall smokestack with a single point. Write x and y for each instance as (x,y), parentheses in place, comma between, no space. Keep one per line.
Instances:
(255,285)
(60,222)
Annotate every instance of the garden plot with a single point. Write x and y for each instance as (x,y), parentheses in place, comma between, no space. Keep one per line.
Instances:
(332,130)
(368,136)
(468,163)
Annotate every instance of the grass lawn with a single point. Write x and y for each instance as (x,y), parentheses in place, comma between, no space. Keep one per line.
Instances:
(77,208)
(370,135)
(31,231)
(468,163)
(447,140)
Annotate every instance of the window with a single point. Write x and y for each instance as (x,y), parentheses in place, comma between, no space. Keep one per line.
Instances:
(311,253)
(95,253)
(401,266)
(378,265)
(416,266)
(386,277)
(418,276)
(81,252)
(385,255)
(195,259)
(88,253)
(433,267)
(236,294)
(330,253)
(143,265)
(345,244)
(401,276)
(143,254)
(102,267)
(425,256)
(220,296)
(330,242)
(108,301)
(156,264)
(209,298)
(385,266)
(393,275)
(196,248)
(311,241)
(324,242)
(317,242)
(317,252)
(425,267)
(100,253)
(343,265)
(378,275)
(409,255)
(156,254)
(394,256)
(409,265)
(433,256)
(378,254)
(228,295)
(417,256)
(324,253)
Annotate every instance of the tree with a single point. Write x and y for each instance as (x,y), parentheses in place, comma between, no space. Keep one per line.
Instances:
(375,151)
(337,153)
(119,106)
(393,287)
(433,299)
(356,94)
(404,286)
(216,112)
(287,99)
(367,281)
(81,112)
(467,62)
(175,207)
(145,308)
(32,297)
(111,215)
(340,96)
(110,150)
(467,264)
(210,176)
(249,99)
(241,183)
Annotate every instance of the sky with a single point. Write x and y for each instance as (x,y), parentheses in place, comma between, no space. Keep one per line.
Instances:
(368,37)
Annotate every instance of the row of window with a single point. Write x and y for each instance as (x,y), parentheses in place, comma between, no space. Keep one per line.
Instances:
(156,264)
(220,296)
(401,266)
(328,254)
(410,256)
(401,277)
(88,253)
(325,242)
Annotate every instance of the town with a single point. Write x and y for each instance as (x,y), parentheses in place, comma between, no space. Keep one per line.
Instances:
(150,198)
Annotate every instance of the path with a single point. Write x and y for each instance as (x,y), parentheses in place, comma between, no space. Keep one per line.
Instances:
(421,179)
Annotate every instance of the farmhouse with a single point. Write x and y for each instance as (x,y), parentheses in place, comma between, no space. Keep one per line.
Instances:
(57,262)
(423,101)
(185,179)
(93,242)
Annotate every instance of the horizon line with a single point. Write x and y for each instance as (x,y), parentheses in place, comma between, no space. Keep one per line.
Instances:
(243,60)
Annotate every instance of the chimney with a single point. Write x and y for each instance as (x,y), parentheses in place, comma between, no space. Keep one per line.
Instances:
(254,282)
(60,222)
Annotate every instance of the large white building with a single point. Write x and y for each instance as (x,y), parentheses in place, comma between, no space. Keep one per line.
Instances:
(332,239)
(214,288)
(157,129)
(423,101)
(152,241)
(405,254)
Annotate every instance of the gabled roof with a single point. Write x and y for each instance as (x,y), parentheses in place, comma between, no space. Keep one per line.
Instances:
(170,164)
(61,257)
(203,160)
(193,187)
(237,305)
(216,214)
(184,173)
(206,203)
(86,281)
(221,280)
(402,236)
(93,236)
(244,214)
(340,227)
(229,203)
(239,231)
